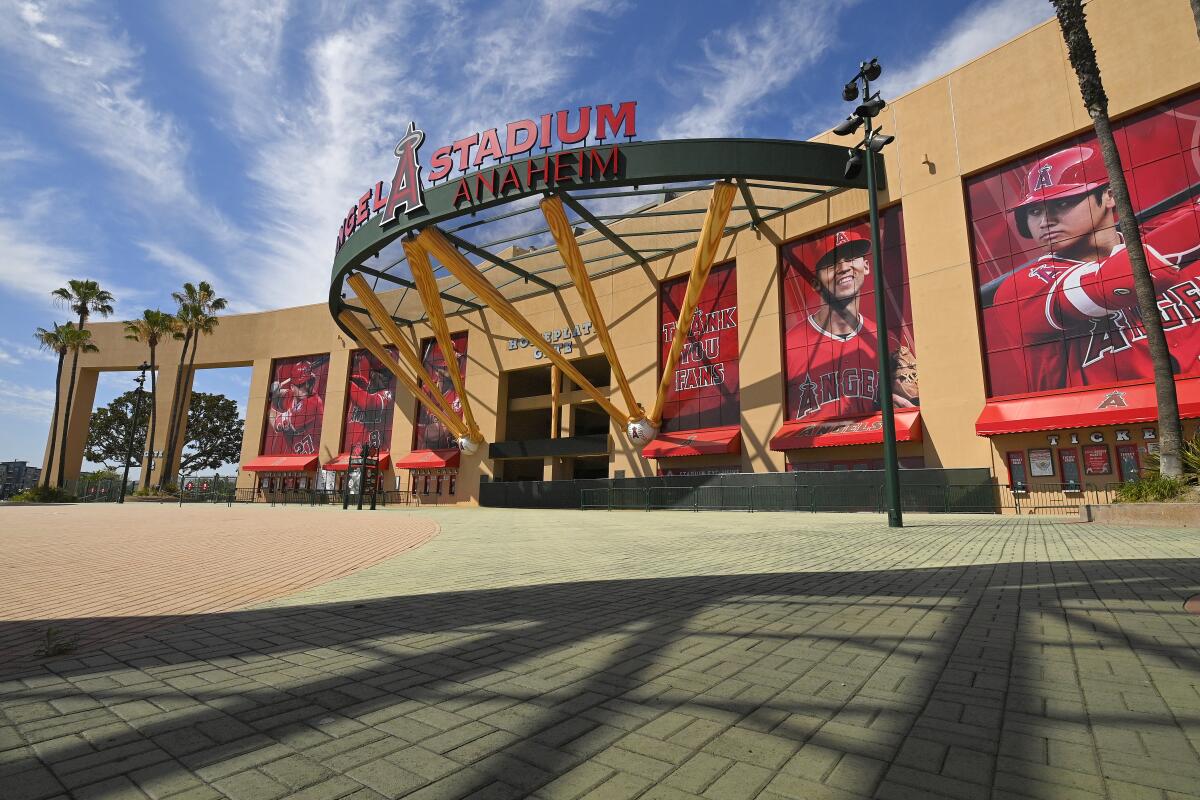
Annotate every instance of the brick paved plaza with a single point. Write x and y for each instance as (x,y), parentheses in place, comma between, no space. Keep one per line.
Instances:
(596,654)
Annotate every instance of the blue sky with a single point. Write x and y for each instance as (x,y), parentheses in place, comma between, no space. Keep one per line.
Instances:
(144,144)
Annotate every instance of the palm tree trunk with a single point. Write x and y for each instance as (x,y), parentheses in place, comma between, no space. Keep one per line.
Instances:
(1196,14)
(1170,434)
(1073,22)
(184,408)
(148,460)
(62,444)
(62,356)
(173,422)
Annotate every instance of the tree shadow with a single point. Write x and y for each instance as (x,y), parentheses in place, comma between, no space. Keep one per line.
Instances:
(945,680)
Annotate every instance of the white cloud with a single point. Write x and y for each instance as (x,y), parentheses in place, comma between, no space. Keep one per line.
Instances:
(89,75)
(26,402)
(15,353)
(978,29)
(744,65)
(183,265)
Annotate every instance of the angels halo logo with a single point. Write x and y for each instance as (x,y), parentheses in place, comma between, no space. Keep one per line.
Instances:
(406,193)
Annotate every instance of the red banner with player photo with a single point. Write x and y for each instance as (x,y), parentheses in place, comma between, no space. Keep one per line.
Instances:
(1055,287)
(295,405)
(430,433)
(370,392)
(831,350)
(704,389)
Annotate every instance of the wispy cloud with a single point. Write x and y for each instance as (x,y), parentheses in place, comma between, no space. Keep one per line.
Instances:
(744,65)
(25,402)
(14,353)
(90,75)
(976,30)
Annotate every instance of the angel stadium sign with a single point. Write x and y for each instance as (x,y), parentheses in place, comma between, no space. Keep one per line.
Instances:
(485,152)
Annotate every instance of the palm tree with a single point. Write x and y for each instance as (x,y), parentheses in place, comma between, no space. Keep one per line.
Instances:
(197,307)
(58,341)
(62,339)
(151,328)
(1073,21)
(85,298)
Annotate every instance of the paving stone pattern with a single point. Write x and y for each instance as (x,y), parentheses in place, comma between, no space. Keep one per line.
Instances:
(106,572)
(656,655)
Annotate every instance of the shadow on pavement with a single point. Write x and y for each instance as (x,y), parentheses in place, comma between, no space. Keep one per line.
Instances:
(952,681)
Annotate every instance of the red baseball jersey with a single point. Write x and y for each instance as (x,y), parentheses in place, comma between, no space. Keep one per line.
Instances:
(1084,314)
(300,423)
(838,376)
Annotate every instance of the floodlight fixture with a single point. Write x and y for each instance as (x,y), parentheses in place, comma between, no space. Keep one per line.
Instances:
(872,107)
(878,141)
(850,91)
(848,126)
(853,164)
(872,69)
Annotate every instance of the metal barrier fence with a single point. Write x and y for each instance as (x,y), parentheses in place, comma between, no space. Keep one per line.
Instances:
(1046,499)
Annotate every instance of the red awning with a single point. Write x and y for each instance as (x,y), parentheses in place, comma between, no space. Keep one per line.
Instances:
(1083,409)
(799,434)
(704,442)
(429,459)
(282,464)
(342,462)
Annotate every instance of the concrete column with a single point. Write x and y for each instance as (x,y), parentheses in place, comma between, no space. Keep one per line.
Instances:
(335,407)
(166,392)
(256,412)
(759,357)
(80,415)
(164,388)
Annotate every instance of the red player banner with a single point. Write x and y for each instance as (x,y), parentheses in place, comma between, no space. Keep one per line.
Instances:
(831,351)
(370,390)
(1056,291)
(429,433)
(295,405)
(704,389)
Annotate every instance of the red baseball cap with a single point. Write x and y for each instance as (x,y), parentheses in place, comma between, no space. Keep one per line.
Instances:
(1067,173)
(843,244)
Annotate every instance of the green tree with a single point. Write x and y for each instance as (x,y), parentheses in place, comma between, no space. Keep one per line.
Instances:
(108,433)
(151,328)
(198,305)
(214,432)
(1073,21)
(84,298)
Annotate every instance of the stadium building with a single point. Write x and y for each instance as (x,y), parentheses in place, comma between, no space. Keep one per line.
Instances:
(555,256)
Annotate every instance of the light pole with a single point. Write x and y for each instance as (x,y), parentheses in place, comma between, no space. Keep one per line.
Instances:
(137,408)
(874,141)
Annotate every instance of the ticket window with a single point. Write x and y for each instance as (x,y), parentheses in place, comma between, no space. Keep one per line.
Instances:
(1017,477)
(453,483)
(1128,463)
(1068,460)
(425,484)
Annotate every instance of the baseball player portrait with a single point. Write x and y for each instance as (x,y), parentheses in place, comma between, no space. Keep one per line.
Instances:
(1072,309)
(832,347)
(370,392)
(430,433)
(296,406)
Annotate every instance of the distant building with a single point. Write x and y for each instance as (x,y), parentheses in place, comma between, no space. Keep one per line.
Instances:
(17,476)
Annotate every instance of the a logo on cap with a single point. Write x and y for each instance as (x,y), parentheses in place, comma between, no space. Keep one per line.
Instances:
(841,238)
(1044,180)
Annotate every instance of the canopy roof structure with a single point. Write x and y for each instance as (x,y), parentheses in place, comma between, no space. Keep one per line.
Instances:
(562,219)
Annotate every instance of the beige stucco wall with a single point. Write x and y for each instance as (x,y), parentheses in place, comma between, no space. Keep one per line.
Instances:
(1017,98)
